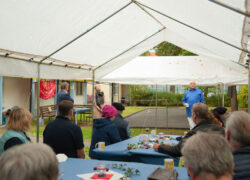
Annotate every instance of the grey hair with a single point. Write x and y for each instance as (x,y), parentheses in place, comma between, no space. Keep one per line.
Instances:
(238,124)
(28,162)
(208,154)
(64,85)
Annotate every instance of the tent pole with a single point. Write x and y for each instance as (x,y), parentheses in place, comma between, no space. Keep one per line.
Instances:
(93,94)
(245,13)
(88,30)
(156,104)
(130,48)
(38,101)
(248,90)
(191,27)
(223,96)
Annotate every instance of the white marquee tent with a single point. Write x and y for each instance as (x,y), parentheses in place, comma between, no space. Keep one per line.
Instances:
(104,35)
(178,70)
(93,38)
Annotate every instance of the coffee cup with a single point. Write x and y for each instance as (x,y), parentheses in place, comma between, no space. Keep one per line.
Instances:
(100,146)
(169,164)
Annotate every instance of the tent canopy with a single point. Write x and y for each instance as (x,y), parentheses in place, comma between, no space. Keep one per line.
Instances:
(116,31)
(178,70)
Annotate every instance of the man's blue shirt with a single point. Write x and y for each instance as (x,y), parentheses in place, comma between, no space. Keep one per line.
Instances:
(191,97)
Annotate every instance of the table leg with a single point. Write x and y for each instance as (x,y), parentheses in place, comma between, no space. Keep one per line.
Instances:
(76,118)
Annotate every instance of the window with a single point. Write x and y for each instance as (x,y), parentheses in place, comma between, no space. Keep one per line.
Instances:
(79,88)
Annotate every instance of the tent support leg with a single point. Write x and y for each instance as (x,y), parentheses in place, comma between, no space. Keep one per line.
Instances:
(38,101)
(248,90)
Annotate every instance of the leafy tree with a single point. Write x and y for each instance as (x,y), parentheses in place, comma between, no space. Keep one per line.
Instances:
(168,49)
(243,96)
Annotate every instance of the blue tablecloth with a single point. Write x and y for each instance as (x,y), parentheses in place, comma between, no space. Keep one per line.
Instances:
(119,152)
(73,166)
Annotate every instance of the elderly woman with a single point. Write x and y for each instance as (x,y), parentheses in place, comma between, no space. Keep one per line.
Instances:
(104,130)
(18,122)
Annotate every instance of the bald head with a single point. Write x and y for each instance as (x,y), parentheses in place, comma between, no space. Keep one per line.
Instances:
(97,88)
(192,85)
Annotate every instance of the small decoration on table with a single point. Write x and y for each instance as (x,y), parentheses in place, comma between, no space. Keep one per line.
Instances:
(128,172)
(102,169)
(139,146)
(161,135)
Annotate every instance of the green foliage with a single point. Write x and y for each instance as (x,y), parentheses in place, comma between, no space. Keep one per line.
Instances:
(243,96)
(143,96)
(168,49)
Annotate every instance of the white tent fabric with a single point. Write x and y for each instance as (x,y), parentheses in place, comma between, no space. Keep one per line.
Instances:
(178,70)
(26,69)
(38,28)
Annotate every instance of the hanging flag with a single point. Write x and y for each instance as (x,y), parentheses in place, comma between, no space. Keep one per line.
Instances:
(47,89)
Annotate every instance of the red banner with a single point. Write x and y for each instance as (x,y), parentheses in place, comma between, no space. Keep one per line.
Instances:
(47,89)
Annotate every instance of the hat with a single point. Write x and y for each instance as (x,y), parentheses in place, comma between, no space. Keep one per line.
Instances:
(118,106)
(220,110)
(109,111)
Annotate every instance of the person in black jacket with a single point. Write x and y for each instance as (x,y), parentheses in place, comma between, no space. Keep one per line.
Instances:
(120,122)
(238,136)
(201,118)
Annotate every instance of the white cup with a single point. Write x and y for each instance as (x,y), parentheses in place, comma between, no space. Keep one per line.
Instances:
(186,104)
(100,145)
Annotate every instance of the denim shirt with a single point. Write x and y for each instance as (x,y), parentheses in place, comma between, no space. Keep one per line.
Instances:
(191,97)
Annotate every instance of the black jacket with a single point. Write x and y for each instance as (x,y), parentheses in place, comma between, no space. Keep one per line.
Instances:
(175,151)
(242,163)
(122,126)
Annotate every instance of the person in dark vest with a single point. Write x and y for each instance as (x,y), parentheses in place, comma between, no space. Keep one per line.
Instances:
(121,124)
(98,102)
(18,123)
(63,94)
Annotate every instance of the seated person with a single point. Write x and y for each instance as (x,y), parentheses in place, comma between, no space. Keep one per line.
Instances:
(63,135)
(18,122)
(104,130)
(28,162)
(208,157)
(201,118)
(220,114)
(121,124)
(238,136)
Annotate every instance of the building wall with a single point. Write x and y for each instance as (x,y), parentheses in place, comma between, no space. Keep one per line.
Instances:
(16,92)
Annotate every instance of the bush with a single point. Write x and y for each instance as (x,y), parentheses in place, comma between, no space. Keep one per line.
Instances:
(243,97)
(143,96)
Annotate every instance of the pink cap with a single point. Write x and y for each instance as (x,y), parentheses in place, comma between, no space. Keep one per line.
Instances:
(109,111)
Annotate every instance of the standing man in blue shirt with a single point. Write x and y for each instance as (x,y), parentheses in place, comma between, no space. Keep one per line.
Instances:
(63,94)
(192,96)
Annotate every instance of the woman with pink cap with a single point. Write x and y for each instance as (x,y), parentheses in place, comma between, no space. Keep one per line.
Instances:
(104,130)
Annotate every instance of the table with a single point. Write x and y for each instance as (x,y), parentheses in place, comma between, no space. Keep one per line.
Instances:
(74,166)
(119,152)
(80,111)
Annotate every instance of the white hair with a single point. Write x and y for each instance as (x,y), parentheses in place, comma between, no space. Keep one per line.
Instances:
(238,124)
(208,154)
(28,162)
